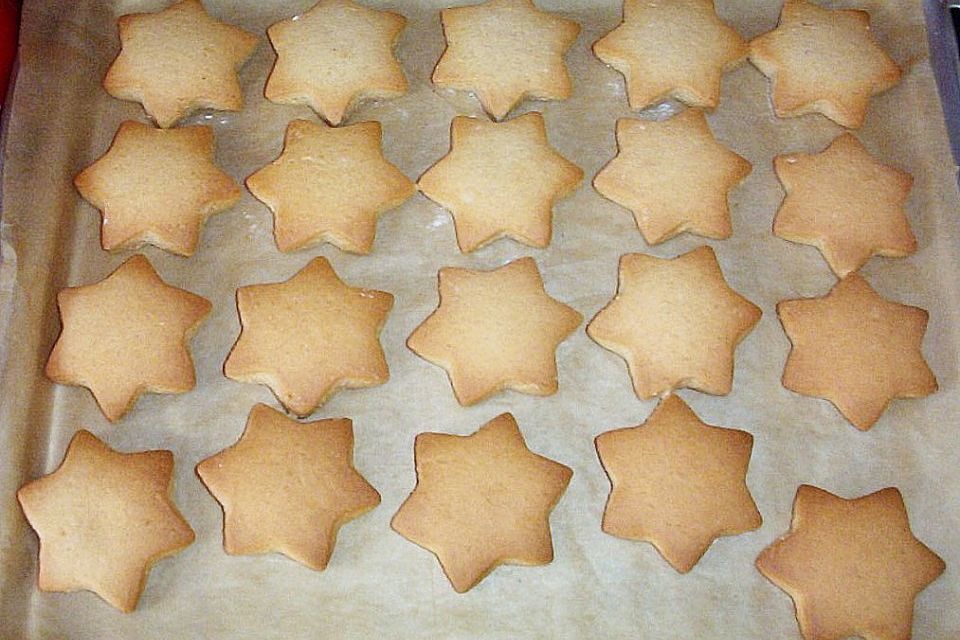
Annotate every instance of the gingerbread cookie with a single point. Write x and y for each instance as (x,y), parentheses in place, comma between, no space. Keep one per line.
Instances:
(335,55)
(309,336)
(157,186)
(852,567)
(125,335)
(856,349)
(676,322)
(329,185)
(674,176)
(481,501)
(675,49)
(505,51)
(177,61)
(495,330)
(500,179)
(677,483)
(288,487)
(823,61)
(103,519)
(846,204)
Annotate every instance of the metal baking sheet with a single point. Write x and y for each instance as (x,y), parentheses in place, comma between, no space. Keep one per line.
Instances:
(378,584)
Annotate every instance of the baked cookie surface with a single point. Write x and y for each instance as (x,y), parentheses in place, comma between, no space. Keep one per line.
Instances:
(672,49)
(126,335)
(500,180)
(335,55)
(157,186)
(495,330)
(179,60)
(288,487)
(673,176)
(103,519)
(481,501)
(505,51)
(852,567)
(329,185)
(823,61)
(309,336)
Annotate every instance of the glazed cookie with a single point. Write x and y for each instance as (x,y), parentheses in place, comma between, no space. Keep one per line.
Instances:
(125,335)
(177,61)
(329,185)
(856,349)
(335,55)
(500,180)
(852,567)
(677,483)
(495,330)
(288,487)
(672,49)
(676,322)
(481,501)
(823,61)
(846,204)
(157,186)
(309,337)
(505,51)
(673,176)
(103,519)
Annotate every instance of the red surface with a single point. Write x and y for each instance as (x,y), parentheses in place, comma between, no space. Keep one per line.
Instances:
(8,42)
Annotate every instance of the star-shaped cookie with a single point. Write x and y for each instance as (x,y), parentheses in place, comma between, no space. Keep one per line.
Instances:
(677,483)
(329,185)
(500,179)
(125,335)
(855,349)
(157,186)
(103,519)
(672,49)
(495,330)
(846,204)
(481,501)
(505,51)
(676,322)
(309,337)
(288,487)
(674,176)
(823,61)
(335,55)
(177,61)
(852,567)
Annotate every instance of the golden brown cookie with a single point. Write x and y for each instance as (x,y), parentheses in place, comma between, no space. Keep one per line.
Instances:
(852,567)
(481,501)
(329,185)
(103,519)
(855,349)
(157,186)
(179,60)
(500,180)
(846,204)
(672,49)
(495,330)
(288,487)
(677,483)
(505,51)
(676,322)
(674,176)
(823,61)
(125,335)
(335,55)
(309,336)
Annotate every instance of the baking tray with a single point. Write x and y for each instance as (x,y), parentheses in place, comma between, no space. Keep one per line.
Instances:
(379,584)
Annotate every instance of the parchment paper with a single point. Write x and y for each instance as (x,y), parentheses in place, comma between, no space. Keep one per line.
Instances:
(378,584)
